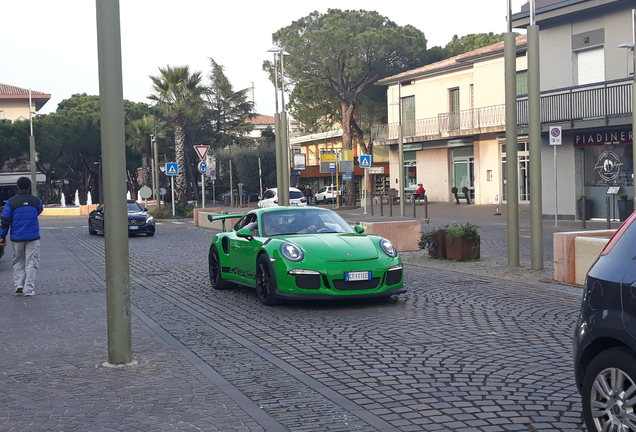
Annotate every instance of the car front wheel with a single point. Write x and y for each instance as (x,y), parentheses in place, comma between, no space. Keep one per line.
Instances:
(91,231)
(266,281)
(216,278)
(608,391)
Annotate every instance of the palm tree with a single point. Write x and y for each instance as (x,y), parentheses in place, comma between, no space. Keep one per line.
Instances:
(178,95)
(138,133)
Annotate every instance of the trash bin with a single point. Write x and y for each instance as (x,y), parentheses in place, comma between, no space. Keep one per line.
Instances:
(226,200)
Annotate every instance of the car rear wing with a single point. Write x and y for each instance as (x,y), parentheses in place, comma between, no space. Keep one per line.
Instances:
(223,217)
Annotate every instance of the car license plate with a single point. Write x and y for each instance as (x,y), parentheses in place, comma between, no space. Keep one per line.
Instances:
(133,227)
(293,203)
(357,276)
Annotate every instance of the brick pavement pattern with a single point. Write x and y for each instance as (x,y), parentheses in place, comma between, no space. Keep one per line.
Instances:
(460,351)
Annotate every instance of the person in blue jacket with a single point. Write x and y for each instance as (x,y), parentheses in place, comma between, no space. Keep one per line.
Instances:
(20,215)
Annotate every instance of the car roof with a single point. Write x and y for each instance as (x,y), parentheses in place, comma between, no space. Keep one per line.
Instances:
(291,189)
(288,208)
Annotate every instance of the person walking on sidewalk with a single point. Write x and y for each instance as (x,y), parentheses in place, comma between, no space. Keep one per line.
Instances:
(20,215)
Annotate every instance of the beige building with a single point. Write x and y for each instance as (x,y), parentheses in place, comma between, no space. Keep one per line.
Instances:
(453,121)
(14,102)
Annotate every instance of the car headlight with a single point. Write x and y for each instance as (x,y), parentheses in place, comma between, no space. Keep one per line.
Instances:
(291,252)
(150,219)
(388,248)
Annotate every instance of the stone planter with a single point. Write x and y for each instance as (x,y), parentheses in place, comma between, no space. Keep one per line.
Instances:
(625,208)
(588,209)
(461,249)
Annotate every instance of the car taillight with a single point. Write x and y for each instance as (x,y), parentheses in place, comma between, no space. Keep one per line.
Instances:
(618,234)
(303,200)
(275,201)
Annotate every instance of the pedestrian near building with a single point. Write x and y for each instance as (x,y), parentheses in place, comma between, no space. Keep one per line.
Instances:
(419,192)
(20,218)
(309,194)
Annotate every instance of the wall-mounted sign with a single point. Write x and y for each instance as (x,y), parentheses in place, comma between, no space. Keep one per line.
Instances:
(460,142)
(608,165)
(617,137)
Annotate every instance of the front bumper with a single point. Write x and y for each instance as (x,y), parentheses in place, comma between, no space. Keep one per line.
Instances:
(327,280)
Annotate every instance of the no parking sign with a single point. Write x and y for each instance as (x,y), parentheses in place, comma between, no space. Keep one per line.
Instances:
(555,135)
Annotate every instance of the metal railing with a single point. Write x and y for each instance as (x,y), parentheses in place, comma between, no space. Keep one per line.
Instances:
(588,102)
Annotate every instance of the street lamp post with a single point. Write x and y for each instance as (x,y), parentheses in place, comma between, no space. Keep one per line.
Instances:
(632,46)
(34,184)
(282,143)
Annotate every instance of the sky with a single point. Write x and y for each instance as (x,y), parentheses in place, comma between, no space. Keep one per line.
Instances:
(51,46)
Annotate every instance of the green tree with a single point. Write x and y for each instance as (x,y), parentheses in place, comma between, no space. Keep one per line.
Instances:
(227,110)
(460,45)
(138,137)
(178,94)
(342,52)
(14,141)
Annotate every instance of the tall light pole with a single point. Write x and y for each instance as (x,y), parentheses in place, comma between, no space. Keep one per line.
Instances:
(282,144)
(534,129)
(401,154)
(512,180)
(34,184)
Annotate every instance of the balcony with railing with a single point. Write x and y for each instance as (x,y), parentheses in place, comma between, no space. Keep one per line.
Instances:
(609,102)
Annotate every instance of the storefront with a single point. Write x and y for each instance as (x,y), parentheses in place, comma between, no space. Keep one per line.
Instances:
(606,159)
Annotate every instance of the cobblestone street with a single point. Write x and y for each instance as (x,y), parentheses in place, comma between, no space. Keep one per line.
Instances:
(457,352)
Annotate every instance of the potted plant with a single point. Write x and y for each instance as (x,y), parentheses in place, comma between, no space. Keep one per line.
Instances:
(588,207)
(625,207)
(463,242)
(434,241)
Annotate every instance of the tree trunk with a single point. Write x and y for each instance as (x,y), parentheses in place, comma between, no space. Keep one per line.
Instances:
(180,193)
(347,144)
(145,167)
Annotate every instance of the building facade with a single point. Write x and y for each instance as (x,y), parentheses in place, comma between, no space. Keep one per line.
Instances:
(586,77)
(452,116)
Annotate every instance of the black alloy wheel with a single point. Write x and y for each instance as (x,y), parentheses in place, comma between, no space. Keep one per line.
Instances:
(216,278)
(266,281)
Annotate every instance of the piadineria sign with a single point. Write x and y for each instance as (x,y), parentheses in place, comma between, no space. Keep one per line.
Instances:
(617,137)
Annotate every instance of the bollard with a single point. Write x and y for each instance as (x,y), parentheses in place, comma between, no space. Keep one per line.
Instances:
(454,191)
(414,215)
(465,191)
(390,205)
(425,207)
(583,215)
(607,206)
(372,196)
(381,205)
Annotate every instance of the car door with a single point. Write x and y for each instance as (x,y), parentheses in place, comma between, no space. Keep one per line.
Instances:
(243,252)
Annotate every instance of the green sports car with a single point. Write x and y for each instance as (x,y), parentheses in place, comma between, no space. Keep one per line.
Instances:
(303,253)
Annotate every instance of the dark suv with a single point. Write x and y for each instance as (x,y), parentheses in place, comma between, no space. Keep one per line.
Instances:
(605,336)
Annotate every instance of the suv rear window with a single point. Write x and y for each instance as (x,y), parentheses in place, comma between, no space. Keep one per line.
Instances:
(295,194)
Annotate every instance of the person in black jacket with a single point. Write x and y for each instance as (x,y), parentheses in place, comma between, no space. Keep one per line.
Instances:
(20,215)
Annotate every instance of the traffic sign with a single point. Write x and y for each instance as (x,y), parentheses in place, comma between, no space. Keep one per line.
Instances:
(172,169)
(346,177)
(203,167)
(202,150)
(555,135)
(212,174)
(364,161)
(332,167)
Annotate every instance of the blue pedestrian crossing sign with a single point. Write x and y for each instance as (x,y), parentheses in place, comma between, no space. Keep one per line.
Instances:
(364,161)
(172,168)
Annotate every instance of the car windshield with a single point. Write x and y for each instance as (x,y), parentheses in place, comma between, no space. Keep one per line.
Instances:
(310,221)
(134,207)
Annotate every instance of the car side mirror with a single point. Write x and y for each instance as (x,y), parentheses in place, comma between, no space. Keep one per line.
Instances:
(245,233)
(358,229)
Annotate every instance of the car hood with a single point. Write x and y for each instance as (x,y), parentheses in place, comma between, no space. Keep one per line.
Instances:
(137,215)
(337,247)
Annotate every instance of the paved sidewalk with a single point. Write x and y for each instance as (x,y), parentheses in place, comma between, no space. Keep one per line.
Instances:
(53,348)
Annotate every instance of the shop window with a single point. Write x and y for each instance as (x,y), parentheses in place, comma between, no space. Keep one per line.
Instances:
(609,165)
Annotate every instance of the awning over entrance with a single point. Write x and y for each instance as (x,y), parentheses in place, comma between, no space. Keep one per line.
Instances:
(11,178)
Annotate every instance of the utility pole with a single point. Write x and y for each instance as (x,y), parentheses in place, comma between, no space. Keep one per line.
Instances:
(111,103)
